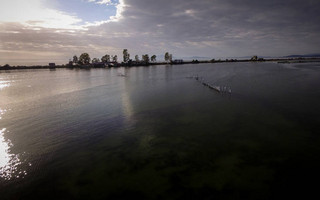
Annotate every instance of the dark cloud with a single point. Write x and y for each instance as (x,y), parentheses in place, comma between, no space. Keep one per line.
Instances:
(239,28)
(213,28)
(193,20)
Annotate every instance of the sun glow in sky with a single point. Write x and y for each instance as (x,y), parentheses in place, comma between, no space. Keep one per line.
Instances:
(59,14)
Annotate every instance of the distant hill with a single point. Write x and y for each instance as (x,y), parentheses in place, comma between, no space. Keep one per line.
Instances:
(303,56)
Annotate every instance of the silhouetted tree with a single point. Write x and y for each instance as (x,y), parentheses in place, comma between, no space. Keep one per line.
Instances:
(84,59)
(166,57)
(105,58)
(137,58)
(75,59)
(115,58)
(153,58)
(126,55)
(170,57)
(145,58)
(95,60)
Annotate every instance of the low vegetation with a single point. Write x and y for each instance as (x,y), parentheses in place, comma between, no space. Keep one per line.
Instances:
(85,61)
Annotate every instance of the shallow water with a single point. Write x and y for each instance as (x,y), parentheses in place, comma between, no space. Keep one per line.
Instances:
(155,134)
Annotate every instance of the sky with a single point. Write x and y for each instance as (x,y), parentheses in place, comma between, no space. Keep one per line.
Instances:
(42,31)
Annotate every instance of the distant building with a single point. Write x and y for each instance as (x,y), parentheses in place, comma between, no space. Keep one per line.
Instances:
(53,65)
(254,58)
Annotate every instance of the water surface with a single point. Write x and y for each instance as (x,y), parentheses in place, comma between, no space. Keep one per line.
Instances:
(154,134)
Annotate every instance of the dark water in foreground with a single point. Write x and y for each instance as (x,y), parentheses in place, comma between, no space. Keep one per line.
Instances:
(90,134)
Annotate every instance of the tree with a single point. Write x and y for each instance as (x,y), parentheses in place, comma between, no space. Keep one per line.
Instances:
(95,60)
(145,58)
(170,57)
(84,59)
(75,59)
(105,58)
(166,57)
(153,58)
(115,58)
(126,55)
(137,58)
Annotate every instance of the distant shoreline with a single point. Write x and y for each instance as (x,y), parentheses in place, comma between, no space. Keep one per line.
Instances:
(89,66)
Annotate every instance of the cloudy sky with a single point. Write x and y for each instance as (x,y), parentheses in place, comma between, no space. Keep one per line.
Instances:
(42,31)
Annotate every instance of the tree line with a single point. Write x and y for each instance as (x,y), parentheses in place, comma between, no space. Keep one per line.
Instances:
(84,58)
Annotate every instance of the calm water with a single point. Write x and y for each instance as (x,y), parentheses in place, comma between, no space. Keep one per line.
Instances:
(90,134)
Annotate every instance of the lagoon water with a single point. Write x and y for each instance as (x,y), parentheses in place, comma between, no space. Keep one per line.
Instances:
(154,134)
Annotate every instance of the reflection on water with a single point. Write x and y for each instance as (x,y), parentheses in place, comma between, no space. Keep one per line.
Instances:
(9,162)
(4,84)
(2,111)
(126,102)
(155,134)
(127,107)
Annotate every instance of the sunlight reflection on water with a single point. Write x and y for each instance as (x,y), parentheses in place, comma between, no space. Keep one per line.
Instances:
(8,162)
(4,84)
(2,111)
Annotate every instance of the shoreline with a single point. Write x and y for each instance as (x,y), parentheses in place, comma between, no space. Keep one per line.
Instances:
(279,60)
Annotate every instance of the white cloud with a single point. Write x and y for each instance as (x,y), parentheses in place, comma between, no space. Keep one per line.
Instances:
(105,2)
(120,8)
(37,14)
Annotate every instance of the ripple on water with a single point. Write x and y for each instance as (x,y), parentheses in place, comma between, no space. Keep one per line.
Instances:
(9,162)
(4,84)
